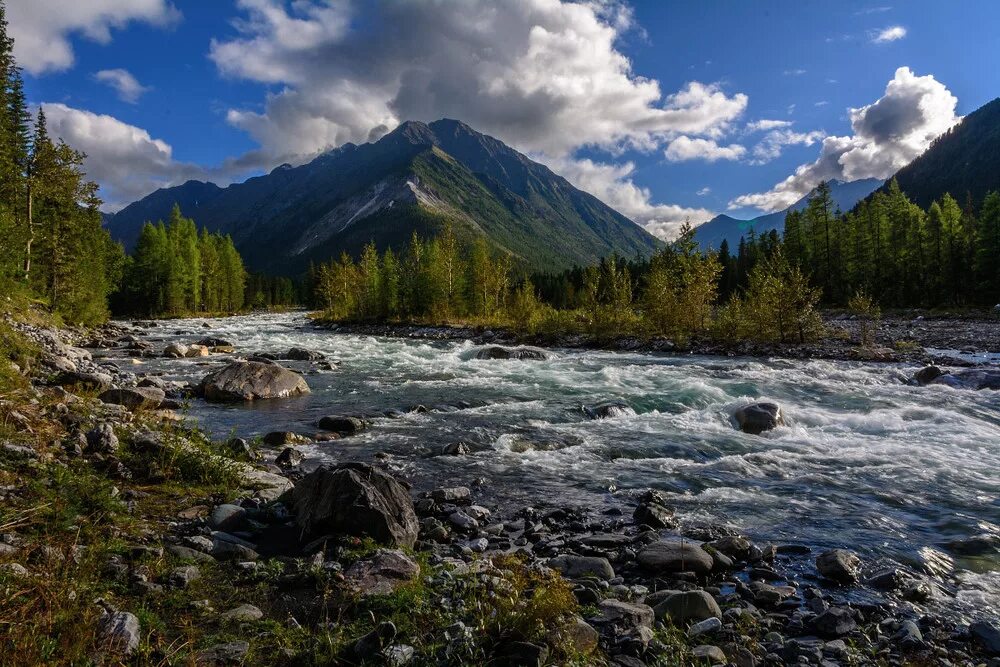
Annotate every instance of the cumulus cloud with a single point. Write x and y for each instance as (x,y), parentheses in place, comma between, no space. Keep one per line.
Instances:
(541,75)
(126,160)
(121,80)
(888,134)
(771,145)
(42,28)
(890,34)
(685,148)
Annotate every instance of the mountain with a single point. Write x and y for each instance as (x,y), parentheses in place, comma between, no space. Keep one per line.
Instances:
(415,178)
(963,161)
(844,195)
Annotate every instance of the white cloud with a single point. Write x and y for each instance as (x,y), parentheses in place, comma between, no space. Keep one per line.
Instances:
(771,145)
(128,88)
(821,103)
(704,191)
(544,76)
(888,134)
(42,28)
(890,34)
(124,159)
(794,72)
(765,125)
(685,148)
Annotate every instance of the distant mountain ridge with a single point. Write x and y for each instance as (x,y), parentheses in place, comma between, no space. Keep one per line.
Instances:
(712,233)
(415,178)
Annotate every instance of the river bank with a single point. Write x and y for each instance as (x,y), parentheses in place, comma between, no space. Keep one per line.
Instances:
(249,568)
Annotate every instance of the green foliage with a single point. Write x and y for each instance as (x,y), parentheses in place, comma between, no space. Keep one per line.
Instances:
(868,313)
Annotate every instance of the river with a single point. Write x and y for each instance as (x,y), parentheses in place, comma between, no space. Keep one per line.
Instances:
(895,472)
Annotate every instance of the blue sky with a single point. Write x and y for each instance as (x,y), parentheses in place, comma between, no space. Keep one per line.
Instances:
(656,107)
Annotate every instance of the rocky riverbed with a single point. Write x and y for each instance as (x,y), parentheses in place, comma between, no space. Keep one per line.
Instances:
(325,524)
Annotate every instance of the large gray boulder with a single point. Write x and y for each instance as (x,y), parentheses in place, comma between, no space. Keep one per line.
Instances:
(134,398)
(675,555)
(970,378)
(118,633)
(497,352)
(759,417)
(688,606)
(251,381)
(355,499)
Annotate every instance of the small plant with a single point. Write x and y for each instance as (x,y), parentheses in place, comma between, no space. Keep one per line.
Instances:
(869,315)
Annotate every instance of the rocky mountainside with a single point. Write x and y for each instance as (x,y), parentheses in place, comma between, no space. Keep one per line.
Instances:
(965,161)
(845,196)
(413,179)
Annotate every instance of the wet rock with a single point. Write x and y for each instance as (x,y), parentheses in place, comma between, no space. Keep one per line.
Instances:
(497,352)
(281,438)
(102,439)
(220,655)
(212,341)
(688,606)
(576,567)
(736,547)
(289,458)
(458,495)
(608,410)
(119,633)
(455,449)
(987,636)
(250,381)
(95,381)
(137,398)
(194,351)
(759,417)
(908,636)
(675,555)
(708,626)
(972,378)
(343,425)
(227,517)
(242,614)
(175,351)
(839,565)
(835,622)
(355,499)
(301,354)
(381,574)
(927,374)
(655,516)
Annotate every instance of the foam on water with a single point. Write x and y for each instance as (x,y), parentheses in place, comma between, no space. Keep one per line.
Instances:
(864,460)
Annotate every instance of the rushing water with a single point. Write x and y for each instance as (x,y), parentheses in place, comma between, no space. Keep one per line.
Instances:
(893,471)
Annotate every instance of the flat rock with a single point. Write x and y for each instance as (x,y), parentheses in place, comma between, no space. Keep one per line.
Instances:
(119,633)
(625,615)
(227,517)
(675,555)
(382,573)
(497,352)
(134,398)
(220,655)
(576,567)
(242,614)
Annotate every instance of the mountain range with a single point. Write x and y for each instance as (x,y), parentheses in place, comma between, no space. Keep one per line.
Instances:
(416,178)
(724,227)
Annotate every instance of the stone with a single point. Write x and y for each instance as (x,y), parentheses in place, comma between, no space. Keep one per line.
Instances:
(289,458)
(457,495)
(195,351)
(987,636)
(227,549)
(674,555)
(712,654)
(301,354)
(212,341)
(759,417)
(927,374)
(242,614)
(607,410)
(624,615)
(463,521)
(119,632)
(971,378)
(455,449)
(688,606)
(95,381)
(835,622)
(382,573)
(497,352)
(706,627)
(175,351)
(102,439)
(227,517)
(579,634)
(342,425)
(839,565)
(181,577)
(654,515)
(282,438)
(520,654)
(735,546)
(370,646)
(136,398)
(908,636)
(220,655)
(576,567)
(187,553)
(251,381)
(355,499)
(398,655)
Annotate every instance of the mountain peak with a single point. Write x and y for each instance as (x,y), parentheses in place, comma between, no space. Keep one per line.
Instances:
(411,131)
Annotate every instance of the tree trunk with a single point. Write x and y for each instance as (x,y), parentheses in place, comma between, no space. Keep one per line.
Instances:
(31,238)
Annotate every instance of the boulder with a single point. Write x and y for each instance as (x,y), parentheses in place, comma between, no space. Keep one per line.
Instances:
(342,425)
(227,517)
(212,341)
(220,655)
(118,633)
(102,439)
(654,515)
(834,622)
(497,352)
(576,567)
(355,499)
(688,606)
(607,410)
(175,351)
(759,417)
(457,495)
(675,555)
(382,573)
(987,635)
(289,458)
(196,351)
(625,615)
(300,354)
(971,378)
(283,438)
(97,381)
(134,398)
(242,614)
(839,565)
(250,381)
(927,374)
